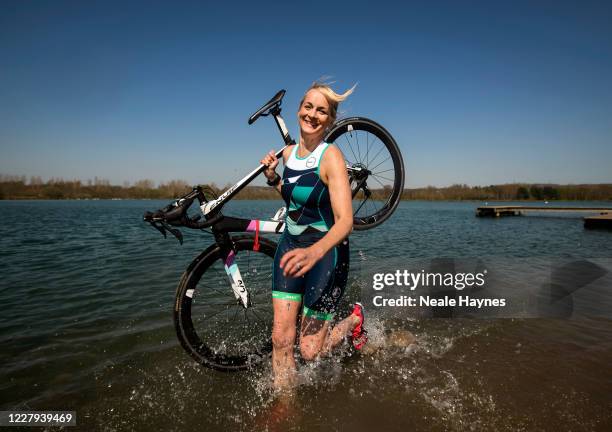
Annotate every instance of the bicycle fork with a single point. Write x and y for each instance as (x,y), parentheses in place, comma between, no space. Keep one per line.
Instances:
(231,269)
(238,287)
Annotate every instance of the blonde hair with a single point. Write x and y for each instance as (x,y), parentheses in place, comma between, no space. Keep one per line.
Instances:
(333,98)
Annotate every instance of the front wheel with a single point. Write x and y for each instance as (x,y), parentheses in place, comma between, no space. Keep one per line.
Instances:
(375,167)
(211,324)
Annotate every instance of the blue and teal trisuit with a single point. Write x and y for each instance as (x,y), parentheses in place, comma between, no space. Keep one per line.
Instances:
(309,217)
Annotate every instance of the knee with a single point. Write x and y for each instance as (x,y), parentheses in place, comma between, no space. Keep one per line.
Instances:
(283,338)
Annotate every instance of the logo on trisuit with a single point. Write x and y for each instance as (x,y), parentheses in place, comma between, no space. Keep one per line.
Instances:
(311,161)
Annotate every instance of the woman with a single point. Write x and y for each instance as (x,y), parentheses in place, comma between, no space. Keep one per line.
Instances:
(312,258)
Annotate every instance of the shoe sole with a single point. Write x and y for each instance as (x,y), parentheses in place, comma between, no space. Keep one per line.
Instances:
(364,333)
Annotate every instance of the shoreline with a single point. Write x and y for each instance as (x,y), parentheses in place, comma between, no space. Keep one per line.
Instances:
(280,199)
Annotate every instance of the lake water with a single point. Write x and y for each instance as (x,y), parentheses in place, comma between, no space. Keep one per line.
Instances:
(87,296)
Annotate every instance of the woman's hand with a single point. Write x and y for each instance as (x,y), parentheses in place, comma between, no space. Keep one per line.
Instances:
(297,262)
(270,161)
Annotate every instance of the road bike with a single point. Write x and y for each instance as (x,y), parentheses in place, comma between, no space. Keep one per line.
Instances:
(223,307)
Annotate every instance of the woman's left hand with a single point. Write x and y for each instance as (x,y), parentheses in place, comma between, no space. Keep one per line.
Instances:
(297,262)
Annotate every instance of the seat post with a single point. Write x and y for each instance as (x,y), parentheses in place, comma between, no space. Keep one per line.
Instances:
(282,127)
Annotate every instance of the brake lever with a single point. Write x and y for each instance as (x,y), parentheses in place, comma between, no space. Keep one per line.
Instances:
(159,228)
(162,227)
(175,232)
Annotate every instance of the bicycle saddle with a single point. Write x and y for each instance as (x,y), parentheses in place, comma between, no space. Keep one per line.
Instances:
(276,100)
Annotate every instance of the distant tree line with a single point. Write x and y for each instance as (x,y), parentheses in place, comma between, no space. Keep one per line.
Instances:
(513,192)
(19,187)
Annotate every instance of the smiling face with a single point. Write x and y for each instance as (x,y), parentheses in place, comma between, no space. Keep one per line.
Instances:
(314,115)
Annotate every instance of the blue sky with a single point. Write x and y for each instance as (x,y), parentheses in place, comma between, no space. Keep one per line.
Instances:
(474,92)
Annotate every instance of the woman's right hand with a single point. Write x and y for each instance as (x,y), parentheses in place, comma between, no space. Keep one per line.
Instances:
(270,161)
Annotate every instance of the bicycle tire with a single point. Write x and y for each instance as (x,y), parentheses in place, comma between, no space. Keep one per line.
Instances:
(204,290)
(386,190)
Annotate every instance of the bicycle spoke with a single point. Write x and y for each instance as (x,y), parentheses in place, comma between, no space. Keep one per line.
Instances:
(351,147)
(378,172)
(371,205)
(366,206)
(236,314)
(375,157)
(358,149)
(359,208)
(216,313)
(379,176)
(216,290)
(219,274)
(222,304)
(379,182)
(258,317)
(367,149)
(373,168)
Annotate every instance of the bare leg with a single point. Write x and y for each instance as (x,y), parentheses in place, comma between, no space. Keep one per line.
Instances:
(317,337)
(339,332)
(281,415)
(283,342)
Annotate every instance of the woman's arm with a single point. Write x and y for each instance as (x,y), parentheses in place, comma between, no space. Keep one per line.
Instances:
(271,162)
(333,172)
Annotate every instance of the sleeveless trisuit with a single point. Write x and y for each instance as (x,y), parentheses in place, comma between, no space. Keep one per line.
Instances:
(309,217)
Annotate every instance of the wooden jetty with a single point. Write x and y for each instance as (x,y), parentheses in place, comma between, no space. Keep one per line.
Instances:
(497,211)
(603,220)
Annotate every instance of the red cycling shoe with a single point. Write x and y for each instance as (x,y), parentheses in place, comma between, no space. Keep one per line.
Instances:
(360,335)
